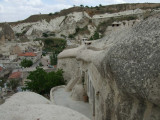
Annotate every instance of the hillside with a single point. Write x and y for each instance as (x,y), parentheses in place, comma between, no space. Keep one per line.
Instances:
(82,22)
(90,10)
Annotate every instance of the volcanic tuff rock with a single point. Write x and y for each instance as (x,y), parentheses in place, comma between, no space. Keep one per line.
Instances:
(123,69)
(2,37)
(32,106)
(8,32)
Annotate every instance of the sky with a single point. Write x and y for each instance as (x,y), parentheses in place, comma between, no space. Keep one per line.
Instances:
(14,10)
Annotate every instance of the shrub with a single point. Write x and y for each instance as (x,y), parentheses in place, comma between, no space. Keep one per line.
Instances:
(100,5)
(87,6)
(96,36)
(45,35)
(71,36)
(26,63)
(48,41)
(50,14)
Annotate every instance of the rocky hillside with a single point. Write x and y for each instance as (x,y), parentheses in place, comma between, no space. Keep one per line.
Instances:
(119,73)
(84,21)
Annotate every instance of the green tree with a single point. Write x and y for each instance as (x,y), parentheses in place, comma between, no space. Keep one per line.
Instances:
(87,6)
(55,59)
(51,60)
(97,8)
(26,63)
(82,5)
(41,82)
(100,5)
(50,14)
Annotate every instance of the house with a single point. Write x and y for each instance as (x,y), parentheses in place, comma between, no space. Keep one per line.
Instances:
(83,40)
(87,42)
(28,55)
(16,75)
(116,24)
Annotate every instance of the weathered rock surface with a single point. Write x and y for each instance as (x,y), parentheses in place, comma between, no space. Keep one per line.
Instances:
(31,106)
(123,69)
(2,37)
(78,24)
(7,32)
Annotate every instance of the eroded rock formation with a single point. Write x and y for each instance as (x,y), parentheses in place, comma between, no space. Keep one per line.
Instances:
(121,72)
(8,32)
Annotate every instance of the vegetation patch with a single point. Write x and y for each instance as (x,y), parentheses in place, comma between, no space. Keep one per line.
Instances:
(41,82)
(103,26)
(26,63)
(48,34)
(79,30)
(95,36)
(54,45)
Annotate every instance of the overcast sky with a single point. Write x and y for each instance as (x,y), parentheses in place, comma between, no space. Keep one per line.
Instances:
(13,10)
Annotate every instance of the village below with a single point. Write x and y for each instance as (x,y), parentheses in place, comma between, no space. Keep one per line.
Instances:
(82,63)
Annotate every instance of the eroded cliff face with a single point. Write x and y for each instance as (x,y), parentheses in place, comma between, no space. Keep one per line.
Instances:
(77,24)
(61,26)
(121,72)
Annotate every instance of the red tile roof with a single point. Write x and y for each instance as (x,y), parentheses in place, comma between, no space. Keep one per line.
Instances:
(28,54)
(1,68)
(15,75)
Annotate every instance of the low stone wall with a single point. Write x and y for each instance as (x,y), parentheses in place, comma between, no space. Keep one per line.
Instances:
(52,93)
